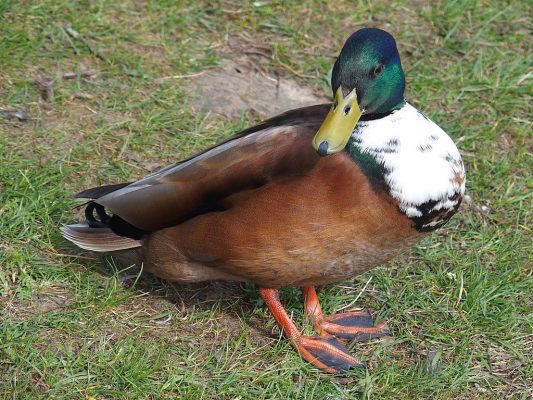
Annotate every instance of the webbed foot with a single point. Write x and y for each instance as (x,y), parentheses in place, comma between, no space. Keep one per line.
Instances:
(325,352)
(357,325)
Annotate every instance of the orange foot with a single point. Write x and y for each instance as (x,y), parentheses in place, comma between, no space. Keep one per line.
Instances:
(325,352)
(350,326)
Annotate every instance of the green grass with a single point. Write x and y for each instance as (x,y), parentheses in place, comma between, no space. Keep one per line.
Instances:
(69,329)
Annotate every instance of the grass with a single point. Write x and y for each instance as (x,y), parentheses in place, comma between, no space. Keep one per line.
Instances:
(460,304)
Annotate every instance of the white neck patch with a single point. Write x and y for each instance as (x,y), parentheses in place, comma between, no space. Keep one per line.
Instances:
(422,162)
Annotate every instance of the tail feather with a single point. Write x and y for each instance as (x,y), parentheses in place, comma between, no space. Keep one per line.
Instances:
(97,239)
(97,192)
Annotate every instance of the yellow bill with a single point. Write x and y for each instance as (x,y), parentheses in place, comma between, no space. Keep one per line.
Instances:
(339,124)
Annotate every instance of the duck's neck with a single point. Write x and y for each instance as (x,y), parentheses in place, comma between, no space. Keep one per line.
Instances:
(374,116)
(371,167)
(368,163)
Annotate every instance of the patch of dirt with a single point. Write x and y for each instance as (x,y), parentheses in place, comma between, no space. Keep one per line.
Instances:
(201,317)
(76,117)
(508,369)
(232,90)
(201,313)
(178,307)
(245,82)
(18,310)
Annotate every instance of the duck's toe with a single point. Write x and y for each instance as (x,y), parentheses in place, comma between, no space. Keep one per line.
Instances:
(327,353)
(354,326)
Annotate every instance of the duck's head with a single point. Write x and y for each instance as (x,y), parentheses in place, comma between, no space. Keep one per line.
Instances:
(367,79)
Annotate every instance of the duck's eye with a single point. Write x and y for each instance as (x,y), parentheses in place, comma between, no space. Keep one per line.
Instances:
(377,70)
(347,109)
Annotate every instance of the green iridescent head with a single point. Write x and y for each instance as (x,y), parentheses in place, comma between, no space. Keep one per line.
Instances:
(370,63)
(367,81)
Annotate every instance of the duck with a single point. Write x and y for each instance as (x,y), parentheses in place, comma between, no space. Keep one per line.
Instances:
(314,196)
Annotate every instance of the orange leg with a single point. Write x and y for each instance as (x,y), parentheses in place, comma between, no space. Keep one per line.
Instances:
(325,352)
(356,325)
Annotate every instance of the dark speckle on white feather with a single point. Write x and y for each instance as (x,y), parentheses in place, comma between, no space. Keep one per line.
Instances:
(424,147)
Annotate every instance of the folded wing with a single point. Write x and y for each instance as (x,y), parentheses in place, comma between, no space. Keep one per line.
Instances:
(279,148)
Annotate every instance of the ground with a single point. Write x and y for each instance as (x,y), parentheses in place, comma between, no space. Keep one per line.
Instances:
(95,92)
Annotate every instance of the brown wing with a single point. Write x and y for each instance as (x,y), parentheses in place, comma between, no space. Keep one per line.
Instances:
(276,149)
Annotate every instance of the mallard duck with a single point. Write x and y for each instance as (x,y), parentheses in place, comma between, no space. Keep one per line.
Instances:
(314,196)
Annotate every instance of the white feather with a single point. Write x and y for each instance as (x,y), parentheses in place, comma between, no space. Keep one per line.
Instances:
(421,160)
